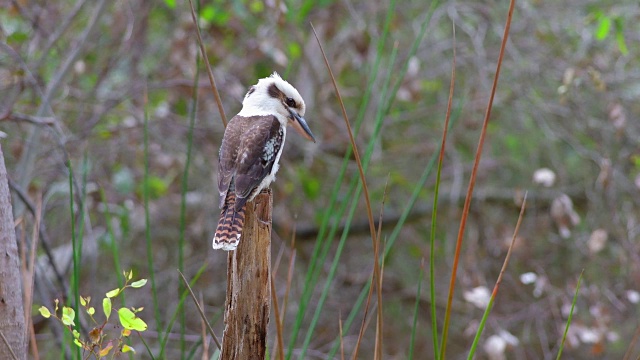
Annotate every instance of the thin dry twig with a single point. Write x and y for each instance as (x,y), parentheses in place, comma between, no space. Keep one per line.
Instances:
(341,337)
(494,293)
(212,80)
(204,318)
(203,334)
(292,261)
(24,197)
(27,160)
(472,180)
(30,276)
(36,120)
(274,298)
(376,254)
(55,36)
(513,241)
(6,342)
(632,344)
(365,319)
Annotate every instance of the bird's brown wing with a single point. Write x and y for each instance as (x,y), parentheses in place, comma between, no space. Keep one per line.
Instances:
(257,154)
(228,155)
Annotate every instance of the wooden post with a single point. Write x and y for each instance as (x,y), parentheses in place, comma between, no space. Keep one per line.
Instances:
(12,323)
(248,301)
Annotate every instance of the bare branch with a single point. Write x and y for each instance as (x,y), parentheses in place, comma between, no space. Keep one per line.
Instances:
(36,120)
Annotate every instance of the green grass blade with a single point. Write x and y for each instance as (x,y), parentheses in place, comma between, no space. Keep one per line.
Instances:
(380,113)
(354,182)
(573,305)
(394,234)
(183,197)
(146,346)
(115,254)
(332,271)
(147,220)
(321,248)
(363,293)
(483,322)
(374,235)
(77,234)
(75,278)
(494,293)
(114,245)
(414,325)
(412,52)
(434,214)
(77,249)
(472,180)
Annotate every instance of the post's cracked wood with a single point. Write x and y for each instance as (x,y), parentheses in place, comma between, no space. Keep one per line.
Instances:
(248,285)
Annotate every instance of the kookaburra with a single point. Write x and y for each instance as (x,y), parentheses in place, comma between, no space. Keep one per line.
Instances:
(251,148)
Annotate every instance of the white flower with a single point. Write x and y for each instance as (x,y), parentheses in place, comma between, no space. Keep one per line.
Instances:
(633,296)
(597,240)
(495,347)
(478,296)
(545,177)
(528,278)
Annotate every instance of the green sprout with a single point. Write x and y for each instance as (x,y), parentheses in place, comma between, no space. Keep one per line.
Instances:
(99,344)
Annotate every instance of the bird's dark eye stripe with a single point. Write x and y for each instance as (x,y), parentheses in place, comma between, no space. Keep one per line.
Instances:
(291,102)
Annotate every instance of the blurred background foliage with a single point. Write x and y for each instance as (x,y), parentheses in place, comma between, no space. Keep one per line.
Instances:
(76,78)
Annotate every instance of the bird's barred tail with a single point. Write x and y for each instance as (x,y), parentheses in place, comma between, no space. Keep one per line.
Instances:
(229,228)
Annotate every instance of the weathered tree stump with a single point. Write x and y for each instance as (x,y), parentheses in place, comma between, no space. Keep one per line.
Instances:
(248,301)
(12,323)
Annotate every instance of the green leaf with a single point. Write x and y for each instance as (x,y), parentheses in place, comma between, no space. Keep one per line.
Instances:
(138,284)
(256,7)
(130,321)
(77,342)
(106,307)
(157,187)
(17,37)
(604,27)
(44,312)
(76,334)
(105,351)
(171,4)
(294,50)
(68,315)
(310,184)
(619,26)
(622,45)
(216,16)
(91,311)
(113,293)
(127,348)
(181,107)
(208,13)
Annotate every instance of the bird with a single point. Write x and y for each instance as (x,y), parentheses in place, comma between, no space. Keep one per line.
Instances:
(251,148)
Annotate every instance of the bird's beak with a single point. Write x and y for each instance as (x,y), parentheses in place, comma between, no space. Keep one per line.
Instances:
(300,125)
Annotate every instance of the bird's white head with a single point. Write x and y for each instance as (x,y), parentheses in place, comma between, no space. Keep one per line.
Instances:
(275,96)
